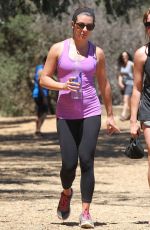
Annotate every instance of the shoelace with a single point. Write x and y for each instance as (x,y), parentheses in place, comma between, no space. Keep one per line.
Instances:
(86,215)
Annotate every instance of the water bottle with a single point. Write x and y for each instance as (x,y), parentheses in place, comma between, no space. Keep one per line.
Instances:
(77,74)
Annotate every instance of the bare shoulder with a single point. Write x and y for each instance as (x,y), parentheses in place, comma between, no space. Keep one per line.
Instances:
(131,63)
(100,53)
(56,49)
(140,54)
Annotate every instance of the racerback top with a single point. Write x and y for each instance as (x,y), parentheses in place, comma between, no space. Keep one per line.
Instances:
(89,105)
(144,108)
(127,73)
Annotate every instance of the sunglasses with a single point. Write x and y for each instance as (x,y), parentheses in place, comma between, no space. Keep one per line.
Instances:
(89,27)
(147,24)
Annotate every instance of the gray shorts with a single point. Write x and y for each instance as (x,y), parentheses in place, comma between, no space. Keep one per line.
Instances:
(128,90)
(146,123)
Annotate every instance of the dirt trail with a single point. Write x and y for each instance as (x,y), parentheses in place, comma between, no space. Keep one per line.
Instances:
(30,184)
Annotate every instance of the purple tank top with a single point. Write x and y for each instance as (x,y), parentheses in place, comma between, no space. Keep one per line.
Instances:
(89,105)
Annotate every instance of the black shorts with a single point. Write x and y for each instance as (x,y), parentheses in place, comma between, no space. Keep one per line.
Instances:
(42,105)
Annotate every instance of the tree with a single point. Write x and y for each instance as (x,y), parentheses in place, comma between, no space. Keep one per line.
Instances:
(55,8)
(22,41)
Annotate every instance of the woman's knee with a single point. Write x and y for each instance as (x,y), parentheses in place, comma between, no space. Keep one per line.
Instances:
(126,99)
(68,168)
(86,164)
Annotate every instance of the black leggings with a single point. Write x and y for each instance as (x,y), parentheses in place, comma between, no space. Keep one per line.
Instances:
(79,138)
(42,105)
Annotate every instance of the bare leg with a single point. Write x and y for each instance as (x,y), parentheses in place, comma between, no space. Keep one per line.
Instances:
(85,207)
(147,139)
(126,106)
(39,122)
(67,192)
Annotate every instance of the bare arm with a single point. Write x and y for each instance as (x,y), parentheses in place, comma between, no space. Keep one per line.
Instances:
(139,60)
(105,89)
(46,79)
(120,82)
(50,66)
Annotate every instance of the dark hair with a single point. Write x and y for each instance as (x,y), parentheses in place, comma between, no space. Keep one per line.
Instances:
(83,10)
(44,59)
(120,58)
(145,16)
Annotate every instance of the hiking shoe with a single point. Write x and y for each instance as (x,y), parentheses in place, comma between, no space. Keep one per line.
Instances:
(38,134)
(63,210)
(85,220)
(124,118)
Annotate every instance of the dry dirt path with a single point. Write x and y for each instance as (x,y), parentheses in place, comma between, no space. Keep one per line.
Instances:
(30,184)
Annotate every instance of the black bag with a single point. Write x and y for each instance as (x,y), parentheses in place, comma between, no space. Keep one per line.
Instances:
(134,150)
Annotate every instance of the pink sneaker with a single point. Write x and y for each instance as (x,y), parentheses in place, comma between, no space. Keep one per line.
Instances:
(85,220)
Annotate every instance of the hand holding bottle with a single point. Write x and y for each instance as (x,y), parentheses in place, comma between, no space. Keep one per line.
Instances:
(74,83)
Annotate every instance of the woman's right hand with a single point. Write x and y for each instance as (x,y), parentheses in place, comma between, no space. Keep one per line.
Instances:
(120,82)
(135,130)
(71,84)
(121,86)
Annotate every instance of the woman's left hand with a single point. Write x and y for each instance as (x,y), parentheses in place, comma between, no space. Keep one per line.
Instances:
(111,126)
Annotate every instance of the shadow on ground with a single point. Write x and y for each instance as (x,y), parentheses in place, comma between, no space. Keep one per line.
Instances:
(30,160)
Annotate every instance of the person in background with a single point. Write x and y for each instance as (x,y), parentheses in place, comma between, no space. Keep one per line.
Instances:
(77,61)
(41,98)
(140,100)
(125,82)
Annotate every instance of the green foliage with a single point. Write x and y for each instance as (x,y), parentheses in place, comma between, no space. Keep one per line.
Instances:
(18,45)
(53,7)
(10,8)
(9,70)
(29,27)
(18,34)
(118,8)
(115,8)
